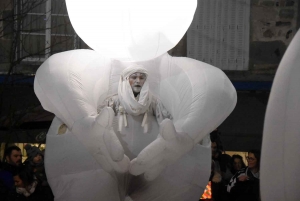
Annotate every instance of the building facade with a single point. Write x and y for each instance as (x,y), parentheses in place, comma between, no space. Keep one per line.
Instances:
(244,38)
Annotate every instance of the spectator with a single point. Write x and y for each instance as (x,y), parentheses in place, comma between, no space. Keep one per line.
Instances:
(237,163)
(13,161)
(216,152)
(225,167)
(221,173)
(35,161)
(244,185)
(25,181)
(13,158)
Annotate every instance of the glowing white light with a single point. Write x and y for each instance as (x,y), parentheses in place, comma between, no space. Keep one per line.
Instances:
(132,30)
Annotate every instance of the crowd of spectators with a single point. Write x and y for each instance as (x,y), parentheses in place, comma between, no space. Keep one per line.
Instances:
(24,181)
(231,179)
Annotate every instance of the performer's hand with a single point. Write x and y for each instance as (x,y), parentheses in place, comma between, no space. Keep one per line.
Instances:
(166,149)
(97,135)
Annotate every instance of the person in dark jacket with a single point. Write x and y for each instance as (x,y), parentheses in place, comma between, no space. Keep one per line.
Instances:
(244,185)
(35,162)
(11,165)
(237,163)
(221,173)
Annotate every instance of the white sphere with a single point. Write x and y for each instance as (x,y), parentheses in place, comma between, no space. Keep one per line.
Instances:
(131,30)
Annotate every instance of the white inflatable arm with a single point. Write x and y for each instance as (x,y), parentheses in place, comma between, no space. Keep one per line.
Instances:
(97,135)
(165,150)
(199,97)
(70,85)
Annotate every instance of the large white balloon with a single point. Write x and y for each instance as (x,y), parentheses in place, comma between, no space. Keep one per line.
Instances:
(132,30)
(281,138)
(91,159)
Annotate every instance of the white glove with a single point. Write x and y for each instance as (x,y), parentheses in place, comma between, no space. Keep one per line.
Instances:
(97,135)
(166,149)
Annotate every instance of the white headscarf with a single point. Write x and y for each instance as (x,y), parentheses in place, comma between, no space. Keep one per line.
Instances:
(133,105)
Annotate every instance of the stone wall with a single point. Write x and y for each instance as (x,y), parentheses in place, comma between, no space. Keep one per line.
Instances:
(273,23)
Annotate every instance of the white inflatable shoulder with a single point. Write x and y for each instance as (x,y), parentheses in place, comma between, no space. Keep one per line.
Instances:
(281,137)
(198,95)
(69,84)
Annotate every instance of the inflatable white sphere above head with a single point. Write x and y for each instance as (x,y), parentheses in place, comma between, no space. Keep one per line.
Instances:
(131,30)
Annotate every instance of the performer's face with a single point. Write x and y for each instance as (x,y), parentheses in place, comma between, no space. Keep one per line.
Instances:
(136,81)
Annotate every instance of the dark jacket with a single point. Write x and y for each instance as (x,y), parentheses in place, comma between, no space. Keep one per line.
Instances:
(7,187)
(39,172)
(244,190)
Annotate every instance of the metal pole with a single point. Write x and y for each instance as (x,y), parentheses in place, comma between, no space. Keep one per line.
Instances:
(48,29)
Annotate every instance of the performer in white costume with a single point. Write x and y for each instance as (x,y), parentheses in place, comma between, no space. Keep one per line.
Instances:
(130,155)
(135,103)
(91,153)
(138,116)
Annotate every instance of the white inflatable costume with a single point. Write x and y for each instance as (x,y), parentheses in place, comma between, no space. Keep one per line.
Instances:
(88,158)
(281,138)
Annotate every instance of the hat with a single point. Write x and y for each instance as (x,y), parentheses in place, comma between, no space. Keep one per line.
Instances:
(133,69)
(32,151)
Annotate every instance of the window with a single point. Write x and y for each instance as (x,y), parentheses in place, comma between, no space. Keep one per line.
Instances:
(219,34)
(45,29)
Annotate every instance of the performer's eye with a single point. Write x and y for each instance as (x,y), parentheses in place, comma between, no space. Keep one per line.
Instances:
(133,76)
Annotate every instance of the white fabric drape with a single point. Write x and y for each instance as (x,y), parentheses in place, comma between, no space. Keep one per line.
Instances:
(125,94)
(133,105)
